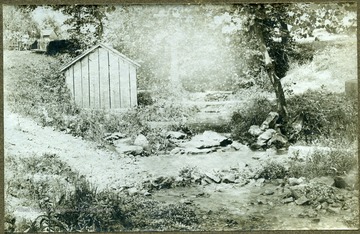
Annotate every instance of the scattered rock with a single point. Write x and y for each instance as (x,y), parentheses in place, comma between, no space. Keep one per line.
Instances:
(268,192)
(177,151)
(326,180)
(196,151)
(114,136)
(213,177)
(147,194)
(288,200)
(333,210)
(208,139)
(302,201)
(287,193)
(129,149)
(186,201)
(324,205)
(142,141)
(278,140)
(255,130)
(270,121)
(308,214)
(316,220)
(176,135)
(339,182)
(265,137)
(229,178)
(295,181)
(133,191)
(238,146)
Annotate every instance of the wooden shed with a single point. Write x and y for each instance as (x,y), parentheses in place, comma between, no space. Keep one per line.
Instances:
(102,78)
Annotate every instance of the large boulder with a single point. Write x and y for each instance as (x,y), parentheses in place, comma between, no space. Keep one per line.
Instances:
(265,137)
(278,140)
(208,139)
(142,141)
(270,121)
(255,130)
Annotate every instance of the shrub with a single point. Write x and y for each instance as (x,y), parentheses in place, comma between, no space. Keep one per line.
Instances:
(272,170)
(254,114)
(325,115)
(144,99)
(324,163)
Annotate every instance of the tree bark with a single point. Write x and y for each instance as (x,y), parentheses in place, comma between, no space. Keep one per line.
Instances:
(270,70)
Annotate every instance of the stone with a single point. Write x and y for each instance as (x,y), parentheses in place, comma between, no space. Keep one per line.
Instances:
(114,136)
(265,137)
(195,151)
(268,192)
(133,191)
(147,194)
(238,146)
(278,140)
(295,181)
(141,140)
(176,135)
(326,180)
(333,210)
(288,200)
(255,130)
(229,178)
(302,201)
(339,182)
(208,139)
(270,121)
(177,151)
(213,177)
(129,149)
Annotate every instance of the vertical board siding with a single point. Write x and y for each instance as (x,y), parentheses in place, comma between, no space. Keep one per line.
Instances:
(94,80)
(119,79)
(77,84)
(85,82)
(133,86)
(114,81)
(124,84)
(69,81)
(104,79)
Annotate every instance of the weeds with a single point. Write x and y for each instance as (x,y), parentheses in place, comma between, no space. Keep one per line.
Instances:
(273,170)
(325,115)
(324,163)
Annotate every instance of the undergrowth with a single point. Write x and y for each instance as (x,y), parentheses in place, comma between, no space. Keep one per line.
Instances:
(330,162)
(69,203)
(36,88)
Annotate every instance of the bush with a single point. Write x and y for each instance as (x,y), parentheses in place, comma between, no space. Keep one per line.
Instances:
(325,115)
(144,99)
(324,163)
(272,170)
(255,114)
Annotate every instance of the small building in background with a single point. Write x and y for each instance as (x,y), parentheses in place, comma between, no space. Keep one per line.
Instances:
(46,36)
(102,78)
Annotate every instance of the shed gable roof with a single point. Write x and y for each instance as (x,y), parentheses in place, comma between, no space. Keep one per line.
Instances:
(66,66)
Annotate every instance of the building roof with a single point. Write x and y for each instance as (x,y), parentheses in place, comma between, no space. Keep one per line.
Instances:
(66,66)
(46,32)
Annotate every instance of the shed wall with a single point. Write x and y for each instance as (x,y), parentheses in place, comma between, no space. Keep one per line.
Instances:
(102,80)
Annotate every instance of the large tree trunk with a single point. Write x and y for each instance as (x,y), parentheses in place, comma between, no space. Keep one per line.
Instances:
(275,80)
